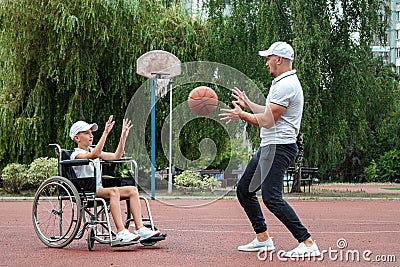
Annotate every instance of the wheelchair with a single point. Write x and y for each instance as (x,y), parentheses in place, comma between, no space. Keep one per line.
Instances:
(64,206)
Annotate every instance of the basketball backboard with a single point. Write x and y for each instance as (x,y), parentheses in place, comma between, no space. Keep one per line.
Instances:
(158,64)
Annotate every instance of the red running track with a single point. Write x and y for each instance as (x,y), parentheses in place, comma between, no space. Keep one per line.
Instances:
(352,233)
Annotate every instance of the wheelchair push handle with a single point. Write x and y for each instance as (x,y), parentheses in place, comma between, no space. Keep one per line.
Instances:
(68,162)
(56,146)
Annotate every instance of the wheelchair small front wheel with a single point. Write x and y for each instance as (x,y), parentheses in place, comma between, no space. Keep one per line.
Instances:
(56,212)
(91,238)
(148,243)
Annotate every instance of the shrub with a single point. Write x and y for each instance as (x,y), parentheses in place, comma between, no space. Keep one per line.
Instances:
(371,172)
(41,169)
(14,176)
(190,180)
(209,182)
(19,176)
(388,166)
(386,169)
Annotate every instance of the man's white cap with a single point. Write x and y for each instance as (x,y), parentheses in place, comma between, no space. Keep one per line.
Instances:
(280,49)
(81,126)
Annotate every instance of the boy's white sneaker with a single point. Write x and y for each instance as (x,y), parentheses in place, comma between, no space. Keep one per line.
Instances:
(256,245)
(126,237)
(302,251)
(146,233)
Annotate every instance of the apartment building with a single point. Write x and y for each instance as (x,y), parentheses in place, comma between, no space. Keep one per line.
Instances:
(393,48)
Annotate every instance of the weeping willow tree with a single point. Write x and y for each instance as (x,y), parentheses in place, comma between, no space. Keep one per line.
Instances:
(63,61)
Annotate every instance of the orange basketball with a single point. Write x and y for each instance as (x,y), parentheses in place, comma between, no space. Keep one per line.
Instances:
(202,101)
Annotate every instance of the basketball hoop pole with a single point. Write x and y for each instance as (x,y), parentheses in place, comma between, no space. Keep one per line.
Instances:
(153,139)
(170,139)
(153,134)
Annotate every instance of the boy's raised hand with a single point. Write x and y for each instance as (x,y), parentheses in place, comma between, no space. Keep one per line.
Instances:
(126,126)
(109,125)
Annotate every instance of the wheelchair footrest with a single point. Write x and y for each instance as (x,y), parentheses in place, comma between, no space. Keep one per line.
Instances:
(119,243)
(152,240)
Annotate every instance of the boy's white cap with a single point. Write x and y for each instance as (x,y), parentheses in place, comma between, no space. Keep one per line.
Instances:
(81,126)
(280,49)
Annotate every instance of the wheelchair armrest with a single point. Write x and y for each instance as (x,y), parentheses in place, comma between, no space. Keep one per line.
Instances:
(122,160)
(133,166)
(75,162)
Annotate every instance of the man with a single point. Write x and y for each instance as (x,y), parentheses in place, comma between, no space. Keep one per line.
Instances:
(280,121)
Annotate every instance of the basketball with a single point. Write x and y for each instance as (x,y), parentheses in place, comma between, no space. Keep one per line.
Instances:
(202,101)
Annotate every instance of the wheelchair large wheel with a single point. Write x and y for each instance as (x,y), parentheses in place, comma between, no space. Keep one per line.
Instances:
(56,212)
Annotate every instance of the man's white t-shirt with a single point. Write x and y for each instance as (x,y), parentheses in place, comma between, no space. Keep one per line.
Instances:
(87,170)
(285,91)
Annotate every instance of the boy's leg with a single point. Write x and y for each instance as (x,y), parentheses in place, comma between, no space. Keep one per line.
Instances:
(112,193)
(247,197)
(273,185)
(123,237)
(132,193)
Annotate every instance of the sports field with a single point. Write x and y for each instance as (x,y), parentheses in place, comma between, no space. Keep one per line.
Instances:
(207,233)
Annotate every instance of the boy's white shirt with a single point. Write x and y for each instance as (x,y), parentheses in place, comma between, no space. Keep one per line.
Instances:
(87,170)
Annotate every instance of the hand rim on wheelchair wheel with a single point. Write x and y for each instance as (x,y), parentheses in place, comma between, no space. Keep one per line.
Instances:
(51,204)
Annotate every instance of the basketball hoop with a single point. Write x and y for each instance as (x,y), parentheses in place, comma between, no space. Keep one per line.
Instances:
(161,67)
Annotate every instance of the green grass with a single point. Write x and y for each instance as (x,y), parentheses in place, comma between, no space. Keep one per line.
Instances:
(226,193)
(24,193)
(392,188)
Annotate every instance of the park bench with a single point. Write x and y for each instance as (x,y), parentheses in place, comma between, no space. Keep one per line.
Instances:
(306,180)
(226,180)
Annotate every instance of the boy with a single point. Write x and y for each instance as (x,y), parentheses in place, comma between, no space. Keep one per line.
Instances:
(81,134)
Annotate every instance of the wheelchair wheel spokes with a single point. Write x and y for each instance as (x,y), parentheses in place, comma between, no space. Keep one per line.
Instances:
(56,212)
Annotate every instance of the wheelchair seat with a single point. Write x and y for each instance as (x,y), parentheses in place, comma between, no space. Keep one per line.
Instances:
(84,184)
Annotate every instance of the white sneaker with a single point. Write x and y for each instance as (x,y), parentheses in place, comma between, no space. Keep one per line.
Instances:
(146,233)
(125,237)
(256,245)
(303,251)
